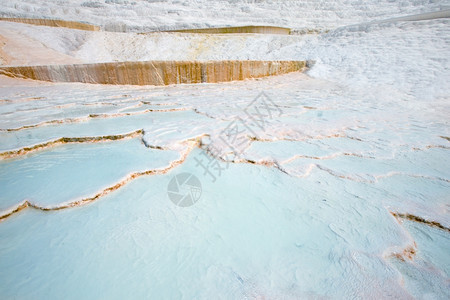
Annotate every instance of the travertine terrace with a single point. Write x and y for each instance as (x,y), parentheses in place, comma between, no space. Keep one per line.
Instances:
(155,72)
(224,149)
(239,29)
(54,23)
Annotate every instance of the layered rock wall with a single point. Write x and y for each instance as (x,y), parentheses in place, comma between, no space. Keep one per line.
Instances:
(240,29)
(54,23)
(155,72)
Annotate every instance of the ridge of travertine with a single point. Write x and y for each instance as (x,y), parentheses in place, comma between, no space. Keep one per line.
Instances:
(54,23)
(155,72)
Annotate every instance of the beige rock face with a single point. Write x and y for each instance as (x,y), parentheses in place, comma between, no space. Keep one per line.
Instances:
(54,23)
(155,72)
(4,57)
(18,49)
(240,29)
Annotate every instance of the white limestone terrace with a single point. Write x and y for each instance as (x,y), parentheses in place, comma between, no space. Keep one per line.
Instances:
(154,15)
(306,212)
(343,195)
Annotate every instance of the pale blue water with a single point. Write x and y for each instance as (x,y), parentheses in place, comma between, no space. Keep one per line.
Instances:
(363,136)
(87,169)
(242,238)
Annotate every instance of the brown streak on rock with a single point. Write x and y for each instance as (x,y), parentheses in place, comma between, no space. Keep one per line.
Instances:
(94,116)
(409,253)
(237,29)
(54,23)
(155,72)
(419,220)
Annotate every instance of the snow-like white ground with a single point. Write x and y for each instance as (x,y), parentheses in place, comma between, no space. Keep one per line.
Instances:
(119,15)
(303,212)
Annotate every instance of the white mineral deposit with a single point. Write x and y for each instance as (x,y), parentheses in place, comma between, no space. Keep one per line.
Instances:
(225,149)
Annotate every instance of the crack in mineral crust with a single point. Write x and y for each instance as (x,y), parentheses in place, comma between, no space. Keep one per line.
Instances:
(417,219)
(377,177)
(93,116)
(208,115)
(331,156)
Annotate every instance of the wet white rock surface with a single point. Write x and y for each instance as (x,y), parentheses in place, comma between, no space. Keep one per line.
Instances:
(306,211)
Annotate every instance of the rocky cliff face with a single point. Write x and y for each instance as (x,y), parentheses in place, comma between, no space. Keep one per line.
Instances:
(155,72)
(54,23)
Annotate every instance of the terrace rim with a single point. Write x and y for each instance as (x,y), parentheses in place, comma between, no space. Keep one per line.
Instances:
(156,72)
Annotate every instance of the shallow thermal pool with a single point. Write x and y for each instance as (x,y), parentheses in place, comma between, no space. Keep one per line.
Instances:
(337,185)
